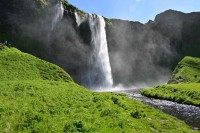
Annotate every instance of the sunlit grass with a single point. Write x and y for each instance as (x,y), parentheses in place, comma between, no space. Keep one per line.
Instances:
(187,71)
(15,65)
(187,88)
(55,106)
(37,96)
(181,93)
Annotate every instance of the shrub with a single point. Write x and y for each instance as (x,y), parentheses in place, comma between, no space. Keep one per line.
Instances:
(136,115)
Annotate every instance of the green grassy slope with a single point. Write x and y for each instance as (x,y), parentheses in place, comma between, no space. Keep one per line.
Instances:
(181,93)
(187,71)
(186,87)
(15,65)
(42,106)
(37,96)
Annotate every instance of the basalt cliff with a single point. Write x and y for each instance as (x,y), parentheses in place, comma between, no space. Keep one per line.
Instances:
(139,54)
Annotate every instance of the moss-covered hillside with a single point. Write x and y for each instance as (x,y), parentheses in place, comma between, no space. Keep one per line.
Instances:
(37,96)
(187,71)
(15,65)
(184,86)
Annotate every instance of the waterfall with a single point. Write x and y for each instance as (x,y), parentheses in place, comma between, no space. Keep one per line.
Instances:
(100,75)
(79,20)
(58,12)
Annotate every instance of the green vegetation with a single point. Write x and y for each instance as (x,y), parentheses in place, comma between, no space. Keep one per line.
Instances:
(108,21)
(71,8)
(37,96)
(40,106)
(15,65)
(187,71)
(43,3)
(181,93)
(186,87)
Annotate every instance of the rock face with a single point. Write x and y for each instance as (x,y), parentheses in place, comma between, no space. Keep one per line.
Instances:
(35,30)
(145,53)
(139,53)
(182,30)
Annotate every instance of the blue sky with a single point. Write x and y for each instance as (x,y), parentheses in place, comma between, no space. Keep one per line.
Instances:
(135,10)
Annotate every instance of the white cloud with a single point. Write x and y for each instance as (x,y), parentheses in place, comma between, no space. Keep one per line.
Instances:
(137,0)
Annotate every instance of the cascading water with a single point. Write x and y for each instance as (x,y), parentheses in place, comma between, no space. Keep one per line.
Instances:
(100,72)
(58,14)
(79,20)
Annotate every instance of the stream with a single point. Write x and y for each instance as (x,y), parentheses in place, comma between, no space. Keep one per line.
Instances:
(188,113)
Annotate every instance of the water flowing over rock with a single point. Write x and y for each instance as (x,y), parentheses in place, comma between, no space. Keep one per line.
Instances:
(58,14)
(99,73)
(101,70)
(79,20)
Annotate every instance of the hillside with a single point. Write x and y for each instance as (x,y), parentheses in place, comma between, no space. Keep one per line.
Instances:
(15,65)
(187,71)
(183,87)
(186,93)
(37,96)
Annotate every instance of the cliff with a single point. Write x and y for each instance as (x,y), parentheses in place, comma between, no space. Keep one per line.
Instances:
(139,53)
(148,52)
(38,27)
(182,29)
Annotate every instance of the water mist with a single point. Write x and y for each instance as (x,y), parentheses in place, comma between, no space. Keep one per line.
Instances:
(101,70)
(99,74)
(58,14)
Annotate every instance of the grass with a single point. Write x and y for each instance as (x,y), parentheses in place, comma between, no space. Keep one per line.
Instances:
(108,21)
(55,106)
(15,65)
(188,93)
(71,8)
(37,96)
(186,87)
(187,71)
